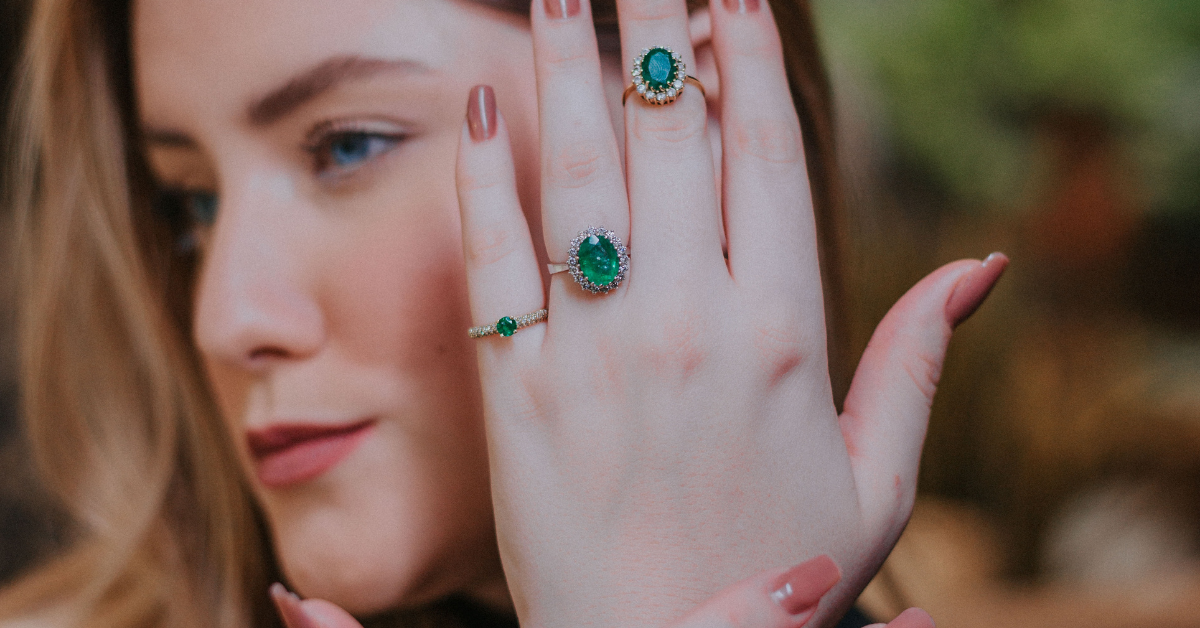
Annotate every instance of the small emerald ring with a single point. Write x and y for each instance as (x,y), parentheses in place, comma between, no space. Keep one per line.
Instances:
(597,260)
(508,325)
(658,75)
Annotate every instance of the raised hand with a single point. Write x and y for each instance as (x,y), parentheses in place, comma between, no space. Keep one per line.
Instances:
(678,432)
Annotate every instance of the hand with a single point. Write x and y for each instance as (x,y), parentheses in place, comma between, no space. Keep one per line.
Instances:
(678,433)
(772,599)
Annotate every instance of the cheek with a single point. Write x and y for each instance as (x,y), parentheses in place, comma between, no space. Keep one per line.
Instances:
(402,292)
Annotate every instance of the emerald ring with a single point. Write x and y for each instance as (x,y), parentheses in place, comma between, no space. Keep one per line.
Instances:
(658,76)
(597,260)
(508,325)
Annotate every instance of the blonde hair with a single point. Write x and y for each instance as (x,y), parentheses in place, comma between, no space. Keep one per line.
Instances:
(118,417)
(120,426)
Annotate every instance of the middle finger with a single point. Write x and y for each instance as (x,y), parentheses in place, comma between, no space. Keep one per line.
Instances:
(582,183)
(674,216)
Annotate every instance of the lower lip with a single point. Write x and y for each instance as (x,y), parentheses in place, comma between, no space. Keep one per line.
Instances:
(309,459)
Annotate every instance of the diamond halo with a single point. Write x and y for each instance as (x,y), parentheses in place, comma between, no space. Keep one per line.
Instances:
(653,91)
(577,273)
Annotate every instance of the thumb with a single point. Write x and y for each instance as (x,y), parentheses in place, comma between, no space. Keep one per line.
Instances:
(311,613)
(887,409)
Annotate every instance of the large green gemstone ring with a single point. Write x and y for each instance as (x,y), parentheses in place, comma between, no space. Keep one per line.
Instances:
(597,260)
(658,75)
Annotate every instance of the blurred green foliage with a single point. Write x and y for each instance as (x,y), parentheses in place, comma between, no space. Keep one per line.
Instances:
(964,85)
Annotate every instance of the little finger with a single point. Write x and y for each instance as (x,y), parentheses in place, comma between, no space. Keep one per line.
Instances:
(767,201)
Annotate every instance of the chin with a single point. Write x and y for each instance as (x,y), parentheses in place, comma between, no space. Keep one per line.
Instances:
(362,582)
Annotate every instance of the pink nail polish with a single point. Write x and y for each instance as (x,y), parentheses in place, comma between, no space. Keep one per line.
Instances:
(481,113)
(912,618)
(559,9)
(799,590)
(973,288)
(288,606)
(741,6)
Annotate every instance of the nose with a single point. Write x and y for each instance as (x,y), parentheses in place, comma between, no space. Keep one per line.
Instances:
(255,302)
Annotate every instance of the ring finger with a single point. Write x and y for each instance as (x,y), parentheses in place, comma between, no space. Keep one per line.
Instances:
(670,176)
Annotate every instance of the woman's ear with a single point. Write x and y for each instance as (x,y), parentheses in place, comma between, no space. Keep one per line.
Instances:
(700,27)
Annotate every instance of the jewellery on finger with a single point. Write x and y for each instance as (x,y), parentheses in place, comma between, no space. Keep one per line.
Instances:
(658,76)
(508,325)
(597,260)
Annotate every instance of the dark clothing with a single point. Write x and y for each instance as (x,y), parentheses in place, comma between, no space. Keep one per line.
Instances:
(458,612)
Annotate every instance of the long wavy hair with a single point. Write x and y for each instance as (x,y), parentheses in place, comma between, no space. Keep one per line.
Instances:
(121,426)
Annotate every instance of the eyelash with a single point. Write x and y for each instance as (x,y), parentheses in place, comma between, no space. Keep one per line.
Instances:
(191,211)
(196,209)
(366,144)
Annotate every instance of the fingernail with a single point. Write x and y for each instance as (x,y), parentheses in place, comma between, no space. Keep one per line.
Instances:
(799,590)
(912,618)
(559,9)
(481,113)
(739,6)
(290,610)
(973,288)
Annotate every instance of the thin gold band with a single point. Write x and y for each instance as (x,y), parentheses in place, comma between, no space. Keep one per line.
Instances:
(520,322)
(689,78)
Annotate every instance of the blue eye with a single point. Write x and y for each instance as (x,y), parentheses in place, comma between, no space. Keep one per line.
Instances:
(202,208)
(346,151)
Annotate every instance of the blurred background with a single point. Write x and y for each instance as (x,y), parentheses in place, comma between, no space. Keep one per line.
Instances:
(1061,478)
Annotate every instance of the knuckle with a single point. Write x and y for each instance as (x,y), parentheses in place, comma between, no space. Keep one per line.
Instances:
(568,55)
(672,346)
(681,122)
(472,185)
(781,348)
(755,46)
(653,10)
(578,164)
(924,371)
(774,141)
(488,246)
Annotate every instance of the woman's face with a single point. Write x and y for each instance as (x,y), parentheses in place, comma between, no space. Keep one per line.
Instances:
(314,145)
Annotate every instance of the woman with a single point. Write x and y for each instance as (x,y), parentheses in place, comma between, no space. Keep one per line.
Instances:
(281,334)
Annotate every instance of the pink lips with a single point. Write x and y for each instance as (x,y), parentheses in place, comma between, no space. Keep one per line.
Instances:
(291,453)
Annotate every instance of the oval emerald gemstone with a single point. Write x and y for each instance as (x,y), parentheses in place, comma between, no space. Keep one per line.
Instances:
(659,69)
(598,260)
(506,326)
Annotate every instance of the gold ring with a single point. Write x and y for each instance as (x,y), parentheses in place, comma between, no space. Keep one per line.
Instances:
(508,325)
(658,76)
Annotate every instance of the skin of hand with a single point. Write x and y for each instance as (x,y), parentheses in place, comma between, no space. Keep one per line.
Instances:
(772,599)
(678,433)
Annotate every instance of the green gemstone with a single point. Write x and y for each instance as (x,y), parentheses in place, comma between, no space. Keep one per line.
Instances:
(506,326)
(659,69)
(598,260)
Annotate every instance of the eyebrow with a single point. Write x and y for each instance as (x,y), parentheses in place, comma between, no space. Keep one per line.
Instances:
(321,78)
(298,90)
